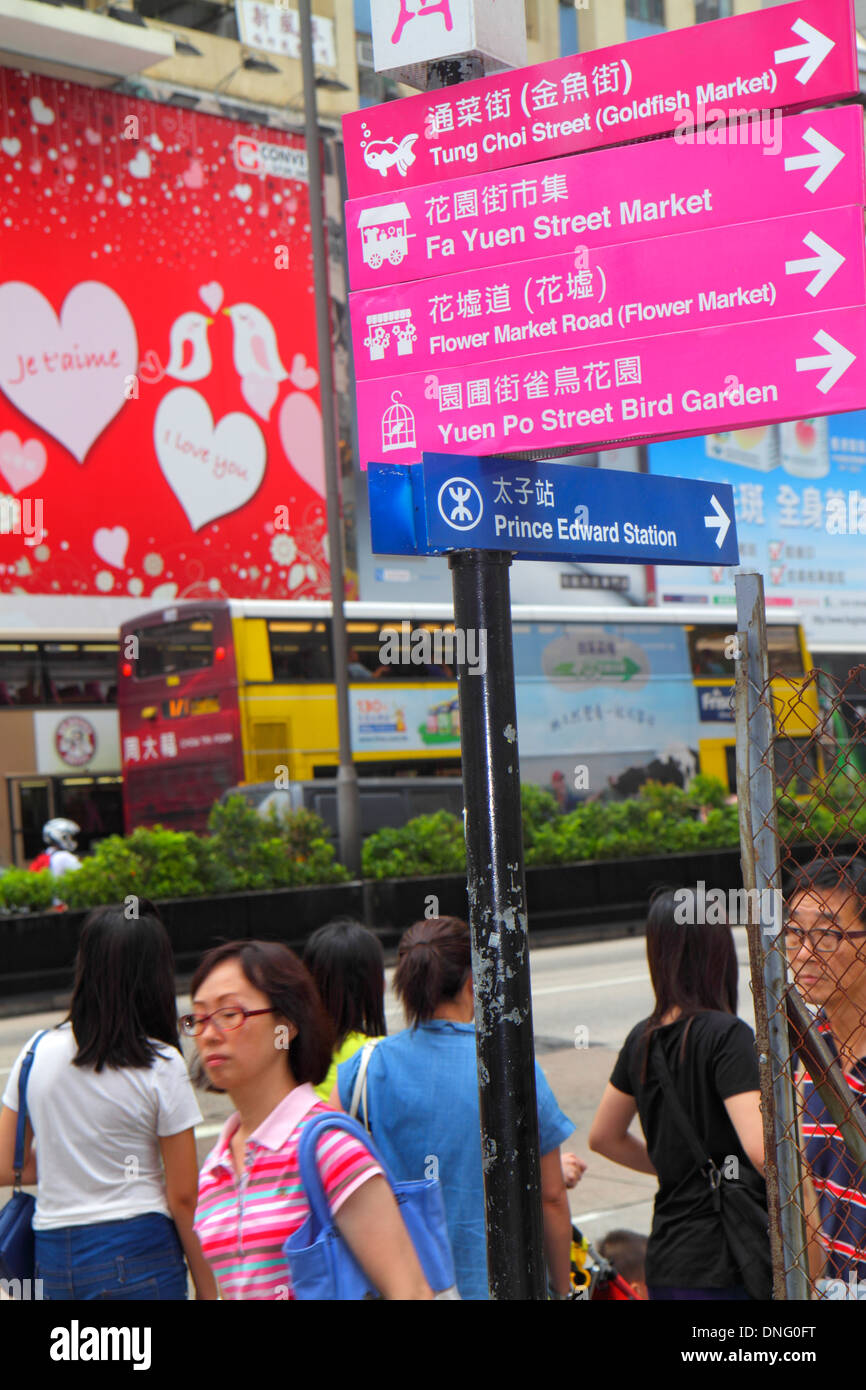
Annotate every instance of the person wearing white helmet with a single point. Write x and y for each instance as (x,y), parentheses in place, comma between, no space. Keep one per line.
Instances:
(61,840)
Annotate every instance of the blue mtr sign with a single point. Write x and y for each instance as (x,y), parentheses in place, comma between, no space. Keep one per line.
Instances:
(549,511)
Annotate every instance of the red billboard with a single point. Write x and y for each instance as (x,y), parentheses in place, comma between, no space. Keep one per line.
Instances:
(160,434)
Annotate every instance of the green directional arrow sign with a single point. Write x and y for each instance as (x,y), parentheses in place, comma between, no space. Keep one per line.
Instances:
(599,670)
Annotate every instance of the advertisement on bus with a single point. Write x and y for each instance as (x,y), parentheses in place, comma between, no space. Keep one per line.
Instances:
(618,698)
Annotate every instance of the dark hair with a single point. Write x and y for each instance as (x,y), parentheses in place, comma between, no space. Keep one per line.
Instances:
(275,970)
(626,1251)
(692,965)
(845,875)
(124,990)
(347,962)
(434,961)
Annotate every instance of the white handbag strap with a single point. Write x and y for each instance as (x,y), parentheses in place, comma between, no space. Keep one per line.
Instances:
(360,1090)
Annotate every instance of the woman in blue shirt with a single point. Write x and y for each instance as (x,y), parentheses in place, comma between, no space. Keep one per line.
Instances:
(422,1102)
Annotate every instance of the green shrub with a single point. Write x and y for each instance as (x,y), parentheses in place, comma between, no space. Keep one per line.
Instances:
(243,852)
(424,846)
(274,851)
(106,876)
(707,791)
(26,892)
(538,810)
(246,852)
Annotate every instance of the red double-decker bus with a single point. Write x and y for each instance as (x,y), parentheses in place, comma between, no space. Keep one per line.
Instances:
(179,719)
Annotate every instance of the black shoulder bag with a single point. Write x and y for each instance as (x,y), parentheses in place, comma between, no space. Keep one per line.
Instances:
(742,1214)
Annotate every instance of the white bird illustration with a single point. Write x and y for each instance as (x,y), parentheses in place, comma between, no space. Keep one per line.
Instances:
(189,351)
(255,344)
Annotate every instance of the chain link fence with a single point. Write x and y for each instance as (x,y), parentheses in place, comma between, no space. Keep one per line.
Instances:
(802,808)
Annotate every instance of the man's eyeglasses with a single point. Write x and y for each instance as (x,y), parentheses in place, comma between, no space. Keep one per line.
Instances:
(822,940)
(226,1020)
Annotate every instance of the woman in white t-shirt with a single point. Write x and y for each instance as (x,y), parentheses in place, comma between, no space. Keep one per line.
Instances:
(111,1114)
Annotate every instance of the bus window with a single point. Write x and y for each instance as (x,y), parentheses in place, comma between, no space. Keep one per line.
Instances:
(21,680)
(81,673)
(362,652)
(785,657)
(420,652)
(186,645)
(707,653)
(300,651)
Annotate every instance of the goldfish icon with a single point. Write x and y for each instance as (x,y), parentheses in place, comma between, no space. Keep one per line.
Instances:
(384,154)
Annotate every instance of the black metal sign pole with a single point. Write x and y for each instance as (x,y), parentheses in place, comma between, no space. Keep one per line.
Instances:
(497,917)
(497,904)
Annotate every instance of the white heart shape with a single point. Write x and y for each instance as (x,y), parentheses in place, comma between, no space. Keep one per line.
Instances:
(111,545)
(211,470)
(22,462)
(124,199)
(242,191)
(92,136)
(155,143)
(211,295)
(140,166)
(163,593)
(42,114)
(67,375)
(11,145)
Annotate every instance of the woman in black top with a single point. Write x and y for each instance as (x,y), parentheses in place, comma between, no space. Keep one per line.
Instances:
(711,1056)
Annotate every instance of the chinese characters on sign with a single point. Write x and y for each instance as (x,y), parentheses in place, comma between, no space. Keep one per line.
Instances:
(697,279)
(627,194)
(277,29)
(790,57)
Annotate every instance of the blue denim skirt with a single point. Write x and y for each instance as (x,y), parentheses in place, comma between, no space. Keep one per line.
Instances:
(141,1258)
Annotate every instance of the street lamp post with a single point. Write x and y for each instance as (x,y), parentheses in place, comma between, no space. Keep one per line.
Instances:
(348,818)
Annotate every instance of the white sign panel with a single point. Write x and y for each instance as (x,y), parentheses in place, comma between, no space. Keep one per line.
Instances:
(410,33)
(77,742)
(275,29)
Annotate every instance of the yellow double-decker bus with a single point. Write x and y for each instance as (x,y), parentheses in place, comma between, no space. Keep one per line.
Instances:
(795,701)
(213,694)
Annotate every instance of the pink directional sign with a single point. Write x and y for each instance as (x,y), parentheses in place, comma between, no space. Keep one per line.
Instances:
(777,267)
(697,382)
(792,56)
(653,189)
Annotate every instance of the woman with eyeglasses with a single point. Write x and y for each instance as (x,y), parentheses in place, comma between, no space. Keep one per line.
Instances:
(263,1036)
(111,1114)
(692,1064)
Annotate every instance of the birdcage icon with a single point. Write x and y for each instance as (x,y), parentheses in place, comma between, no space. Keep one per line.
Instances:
(398,425)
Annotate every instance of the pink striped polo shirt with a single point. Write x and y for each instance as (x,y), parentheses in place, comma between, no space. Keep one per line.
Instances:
(243,1223)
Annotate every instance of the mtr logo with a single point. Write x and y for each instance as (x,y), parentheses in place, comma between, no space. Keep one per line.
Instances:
(253,156)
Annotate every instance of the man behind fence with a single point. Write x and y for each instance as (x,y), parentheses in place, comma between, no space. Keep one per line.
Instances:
(825,932)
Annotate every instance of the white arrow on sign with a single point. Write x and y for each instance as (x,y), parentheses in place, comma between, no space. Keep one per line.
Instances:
(814,50)
(720,522)
(837,359)
(825,263)
(823,161)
